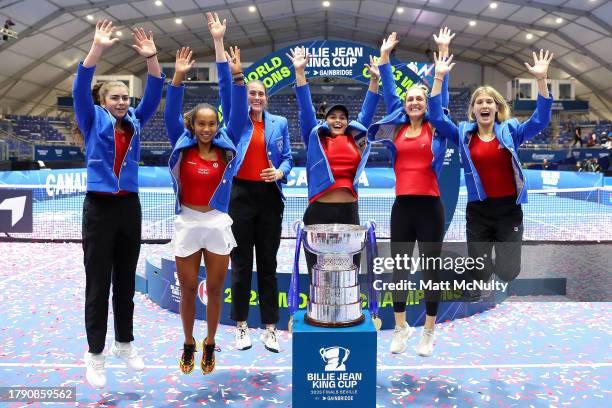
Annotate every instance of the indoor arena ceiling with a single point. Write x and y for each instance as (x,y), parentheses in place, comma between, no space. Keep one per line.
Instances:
(55,34)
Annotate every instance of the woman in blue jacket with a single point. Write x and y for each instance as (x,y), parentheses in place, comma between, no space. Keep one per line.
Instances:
(263,163)
(202,167)
(336,151)
(494,179)
(111,210)
(418,151)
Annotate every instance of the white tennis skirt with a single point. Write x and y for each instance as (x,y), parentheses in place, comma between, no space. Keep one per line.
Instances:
(195,230)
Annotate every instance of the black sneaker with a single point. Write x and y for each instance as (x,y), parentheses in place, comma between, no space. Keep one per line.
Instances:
(207,364)
(187,362)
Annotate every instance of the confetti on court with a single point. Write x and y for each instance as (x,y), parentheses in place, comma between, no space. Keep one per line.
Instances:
(512,355)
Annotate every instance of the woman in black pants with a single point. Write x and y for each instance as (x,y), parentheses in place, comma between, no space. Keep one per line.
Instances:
(418,213)
(337,151)
(111,210)
(257,202)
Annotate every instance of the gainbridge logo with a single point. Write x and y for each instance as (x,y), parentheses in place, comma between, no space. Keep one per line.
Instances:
(16,211)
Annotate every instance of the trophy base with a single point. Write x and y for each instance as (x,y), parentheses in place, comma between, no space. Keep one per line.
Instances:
(318,323)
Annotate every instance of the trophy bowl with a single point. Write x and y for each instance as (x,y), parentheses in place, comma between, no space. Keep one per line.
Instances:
(334,296)
(338,239)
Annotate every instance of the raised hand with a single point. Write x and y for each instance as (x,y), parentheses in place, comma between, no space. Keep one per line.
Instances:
(373,69)
(443,39)
(144,44)
(102,37)
(299,57)
(443,65)
(216,28)
(389,43)
(183,60)
(234,60)
(539,70)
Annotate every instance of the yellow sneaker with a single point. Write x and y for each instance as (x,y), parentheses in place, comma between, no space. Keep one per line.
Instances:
(187,362)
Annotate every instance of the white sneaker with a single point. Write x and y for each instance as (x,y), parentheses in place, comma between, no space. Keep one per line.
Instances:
(425,346)
(243,337)
(96,373)
(270,340)
(129,354)
(400,338)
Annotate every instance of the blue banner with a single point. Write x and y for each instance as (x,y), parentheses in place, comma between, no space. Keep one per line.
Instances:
(46,152)
(334,58)
(557,156)
(68,181)
(567,106)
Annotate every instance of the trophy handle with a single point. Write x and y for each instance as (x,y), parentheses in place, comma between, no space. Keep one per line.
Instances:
(322,353)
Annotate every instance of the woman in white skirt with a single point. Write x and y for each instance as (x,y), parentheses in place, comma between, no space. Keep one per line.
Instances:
(201,165)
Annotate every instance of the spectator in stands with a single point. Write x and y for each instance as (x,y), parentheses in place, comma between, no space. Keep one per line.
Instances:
(201,168)
(111,210)
(494,179)
(545,164)
(257,201)
(417,152)
(577,137)
(337,151)
(592,140)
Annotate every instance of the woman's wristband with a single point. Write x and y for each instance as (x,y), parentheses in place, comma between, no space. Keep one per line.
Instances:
(151,56)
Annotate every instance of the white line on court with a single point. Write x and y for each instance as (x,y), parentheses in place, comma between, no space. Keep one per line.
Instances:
(380,367)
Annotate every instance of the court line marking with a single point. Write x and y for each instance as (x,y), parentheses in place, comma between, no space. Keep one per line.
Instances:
(380,367)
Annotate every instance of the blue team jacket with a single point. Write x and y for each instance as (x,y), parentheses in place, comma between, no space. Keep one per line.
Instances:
(181,138)
(276,131)
(98,128)
(318,171)
(510,133)
(384,131)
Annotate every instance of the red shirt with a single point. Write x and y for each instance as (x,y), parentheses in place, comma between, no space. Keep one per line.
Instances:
(123,139)
(494,166)
(199,177)
(343,156)
(413,172)
(256,157)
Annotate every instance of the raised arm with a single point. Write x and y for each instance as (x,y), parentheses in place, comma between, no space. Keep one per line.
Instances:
(235,65)
(368,109)
(287,159)
(540,118)
(145,46)
(217,31)
(83,103)
(445,127)
(392,101)
(443,40)
(173,112)
(308,118)
(239,114)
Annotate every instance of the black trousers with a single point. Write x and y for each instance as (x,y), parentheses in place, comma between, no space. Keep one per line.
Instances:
(495,223)
(417,218)
(111,245)
(330,213)
(256,208)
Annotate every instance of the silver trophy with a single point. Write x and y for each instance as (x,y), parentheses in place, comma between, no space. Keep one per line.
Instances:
(334,299)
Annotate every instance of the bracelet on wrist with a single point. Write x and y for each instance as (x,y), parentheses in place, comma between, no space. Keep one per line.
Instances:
(151,56)
(438,78)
